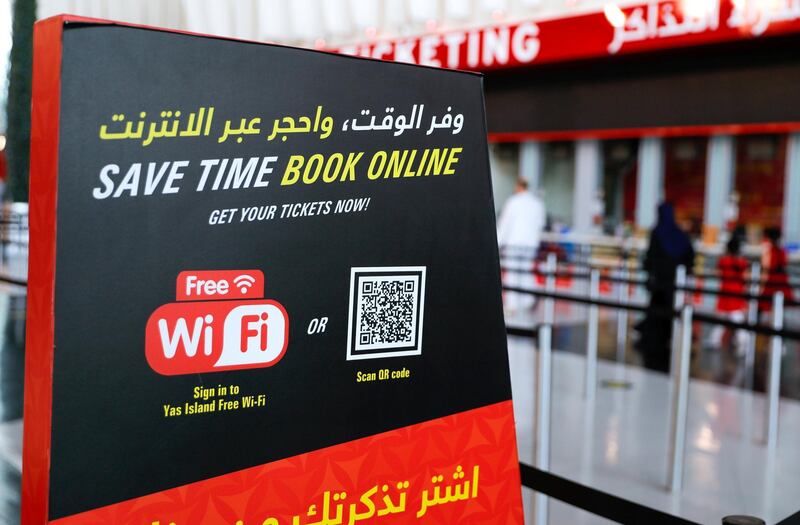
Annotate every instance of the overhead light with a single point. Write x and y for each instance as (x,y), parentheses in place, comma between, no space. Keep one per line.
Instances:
(2,142)
(320,43)
(614,15)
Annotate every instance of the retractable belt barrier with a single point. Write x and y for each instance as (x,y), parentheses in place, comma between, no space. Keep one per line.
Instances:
(630,248)
(13,280)
(13,232)
(660,312)
(595,501)
(634,264)
(522,332)
(585,276)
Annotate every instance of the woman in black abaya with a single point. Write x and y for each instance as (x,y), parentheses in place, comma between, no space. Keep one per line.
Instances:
(669,248)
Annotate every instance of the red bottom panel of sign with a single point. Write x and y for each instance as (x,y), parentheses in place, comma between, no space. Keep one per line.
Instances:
(460,469)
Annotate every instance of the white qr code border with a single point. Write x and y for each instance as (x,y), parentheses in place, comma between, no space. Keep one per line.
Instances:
(360,271)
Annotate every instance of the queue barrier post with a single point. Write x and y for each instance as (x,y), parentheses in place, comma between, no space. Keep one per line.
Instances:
(752,318)
(590,388)
(679,300)
(622,314)
(774,373)
(544,384)
(680,401)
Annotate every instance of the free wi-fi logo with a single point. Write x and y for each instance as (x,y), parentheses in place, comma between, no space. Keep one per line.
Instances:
(220,321)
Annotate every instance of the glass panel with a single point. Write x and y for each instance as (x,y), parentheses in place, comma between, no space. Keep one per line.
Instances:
(759,181)
(558,183)
(685,179)
(619,183)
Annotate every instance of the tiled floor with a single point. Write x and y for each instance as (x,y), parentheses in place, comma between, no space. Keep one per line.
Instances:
(620,444)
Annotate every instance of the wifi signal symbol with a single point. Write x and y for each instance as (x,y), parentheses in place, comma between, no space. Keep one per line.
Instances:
(244,282)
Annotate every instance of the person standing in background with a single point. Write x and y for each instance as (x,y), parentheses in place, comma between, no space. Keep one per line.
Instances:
(732,267)
(774,261)
(669,248)
(519,231)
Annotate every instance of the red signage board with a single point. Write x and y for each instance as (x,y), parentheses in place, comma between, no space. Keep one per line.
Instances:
(640,27)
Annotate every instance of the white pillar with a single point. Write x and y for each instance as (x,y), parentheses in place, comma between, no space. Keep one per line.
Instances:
(97,9)
(274,22)
(48,8)
(720,166)
(588,162)
(504,175)
(306,17)
(336,14)
(244,19)
(530,163)
(649,181)
(423,10)
(791,191)
(366,13)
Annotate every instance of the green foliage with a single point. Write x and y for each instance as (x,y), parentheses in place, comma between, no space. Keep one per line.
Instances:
(19,99)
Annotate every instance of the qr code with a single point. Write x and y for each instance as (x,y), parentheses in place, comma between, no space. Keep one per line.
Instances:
(386,311)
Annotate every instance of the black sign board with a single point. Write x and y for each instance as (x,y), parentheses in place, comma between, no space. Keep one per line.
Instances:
(264,288)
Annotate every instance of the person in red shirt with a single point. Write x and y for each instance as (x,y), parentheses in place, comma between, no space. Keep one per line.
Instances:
(774,261)
(732,268)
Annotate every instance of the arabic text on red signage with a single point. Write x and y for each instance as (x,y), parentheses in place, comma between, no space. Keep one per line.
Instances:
(649,26)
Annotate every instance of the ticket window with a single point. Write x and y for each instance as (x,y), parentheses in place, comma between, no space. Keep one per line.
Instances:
(685,180)
(620,158)
(504,164)
(558,183)
(760,174)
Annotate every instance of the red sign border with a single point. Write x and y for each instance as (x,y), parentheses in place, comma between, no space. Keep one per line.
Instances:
(38,397)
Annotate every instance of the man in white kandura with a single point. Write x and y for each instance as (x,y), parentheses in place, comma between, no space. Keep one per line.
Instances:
(519,231)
